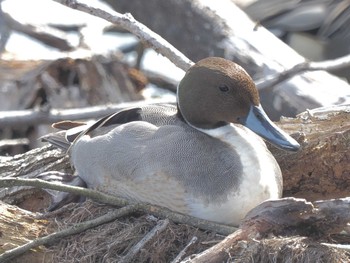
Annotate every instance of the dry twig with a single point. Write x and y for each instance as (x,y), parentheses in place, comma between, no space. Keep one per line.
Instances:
(38,183)
(160,227)
(146,35)
(183,251)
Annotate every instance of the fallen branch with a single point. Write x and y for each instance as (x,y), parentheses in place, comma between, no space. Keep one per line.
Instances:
(33,162)
(116,201)
(75,229)
(13,142)
(283,217)
(45,34)
(160,227)
(35,117)
(146,35)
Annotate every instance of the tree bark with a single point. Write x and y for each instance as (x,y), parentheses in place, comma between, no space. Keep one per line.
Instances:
(321,169)
(19,226)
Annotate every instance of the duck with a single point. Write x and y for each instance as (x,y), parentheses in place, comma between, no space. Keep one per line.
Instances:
(204,156)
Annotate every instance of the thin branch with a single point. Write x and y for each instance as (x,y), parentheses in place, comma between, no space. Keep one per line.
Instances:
(184,250)
(13,142)
(328,65)
(45,34)
(218,252)
(146,35)
(116,201)
(37,183)
(75,229)
(338,246)
(35,117)
(160,227)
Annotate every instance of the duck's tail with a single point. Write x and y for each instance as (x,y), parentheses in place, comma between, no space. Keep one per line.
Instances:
(64,138)
(57,139)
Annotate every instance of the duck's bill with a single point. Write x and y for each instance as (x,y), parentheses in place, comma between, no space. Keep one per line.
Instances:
(259,122)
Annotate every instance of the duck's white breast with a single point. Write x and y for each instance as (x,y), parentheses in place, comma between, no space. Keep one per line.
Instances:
(261,176)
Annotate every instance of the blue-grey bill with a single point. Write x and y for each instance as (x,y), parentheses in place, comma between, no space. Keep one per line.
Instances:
(258,121)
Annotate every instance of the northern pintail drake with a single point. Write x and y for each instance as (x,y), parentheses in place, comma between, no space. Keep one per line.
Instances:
(202,157)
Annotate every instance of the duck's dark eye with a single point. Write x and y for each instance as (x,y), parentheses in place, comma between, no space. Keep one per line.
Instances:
(224,88)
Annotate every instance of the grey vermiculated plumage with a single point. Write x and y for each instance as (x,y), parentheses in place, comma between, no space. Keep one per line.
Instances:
(151,152)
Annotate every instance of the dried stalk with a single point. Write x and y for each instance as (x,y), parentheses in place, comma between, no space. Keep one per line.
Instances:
(146,35)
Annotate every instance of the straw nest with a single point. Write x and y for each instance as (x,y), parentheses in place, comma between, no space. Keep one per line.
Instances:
(113,242)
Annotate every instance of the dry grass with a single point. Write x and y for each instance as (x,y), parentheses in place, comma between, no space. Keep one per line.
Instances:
(294,249)
(110,242)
